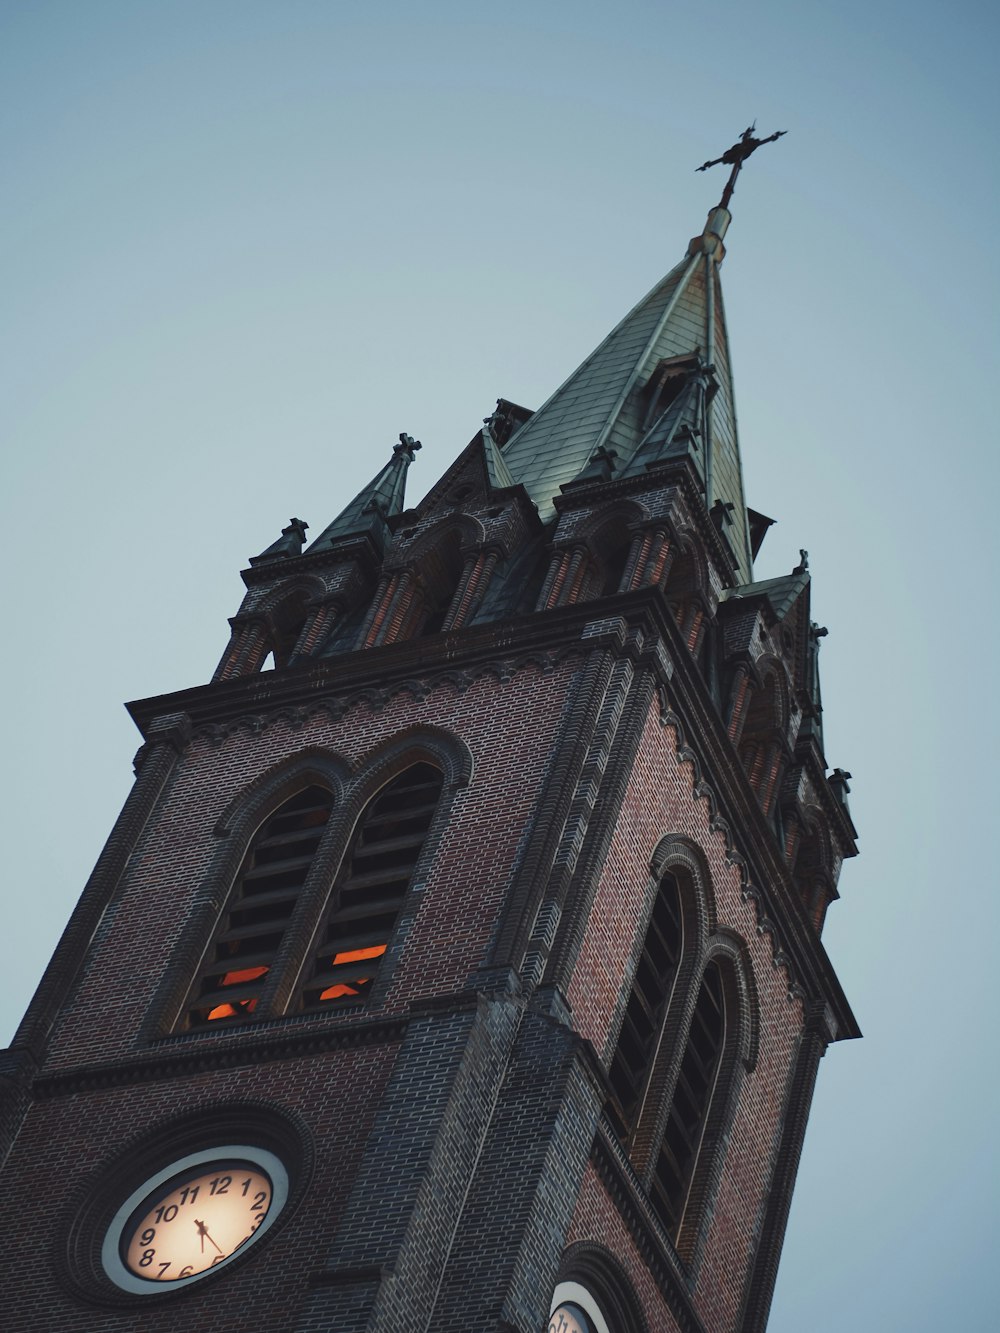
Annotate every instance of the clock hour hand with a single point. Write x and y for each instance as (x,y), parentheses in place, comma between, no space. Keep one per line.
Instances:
(203,1233)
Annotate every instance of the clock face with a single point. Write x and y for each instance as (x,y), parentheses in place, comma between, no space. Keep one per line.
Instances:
(194,1217)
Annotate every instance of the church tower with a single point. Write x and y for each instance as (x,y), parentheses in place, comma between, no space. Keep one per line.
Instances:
(455,961)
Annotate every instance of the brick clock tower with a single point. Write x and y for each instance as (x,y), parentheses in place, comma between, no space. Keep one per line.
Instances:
(455,961)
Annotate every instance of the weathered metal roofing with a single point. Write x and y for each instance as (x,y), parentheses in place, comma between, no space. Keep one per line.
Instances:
(782,592)
(496,466)
(602,403)
(379,500)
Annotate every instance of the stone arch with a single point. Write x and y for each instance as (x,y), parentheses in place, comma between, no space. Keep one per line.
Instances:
(676,851)
(370,775)
(592,1267)
(727,954)
(678,865)
(610,536)
(286,611)
(762,739)
(812,865)
(434,745)
(235,831)
(686,590)
(267,790)
(439,584)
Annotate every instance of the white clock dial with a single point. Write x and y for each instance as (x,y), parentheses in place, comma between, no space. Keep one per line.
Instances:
(199,1221)
(194,1217)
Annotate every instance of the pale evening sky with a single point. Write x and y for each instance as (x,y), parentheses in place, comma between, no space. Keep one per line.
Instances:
(246,244)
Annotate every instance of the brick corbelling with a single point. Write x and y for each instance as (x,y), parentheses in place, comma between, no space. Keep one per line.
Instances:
(242,1050)
(612,1208)
(703,742)
(494,646)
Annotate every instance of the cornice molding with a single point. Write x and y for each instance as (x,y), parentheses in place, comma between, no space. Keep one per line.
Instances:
(154,1067)
(764,875)
(542,641)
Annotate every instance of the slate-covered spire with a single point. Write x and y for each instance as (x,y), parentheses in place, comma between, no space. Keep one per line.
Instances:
(380,500)
(606,402)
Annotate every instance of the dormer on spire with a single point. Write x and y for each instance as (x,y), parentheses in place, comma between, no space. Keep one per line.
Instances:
(369,511)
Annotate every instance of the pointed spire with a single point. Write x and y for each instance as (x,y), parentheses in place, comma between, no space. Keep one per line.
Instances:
(288,544)
(616,400)
(380,500)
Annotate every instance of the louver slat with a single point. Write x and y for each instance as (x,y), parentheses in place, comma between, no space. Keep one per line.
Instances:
(647,1004)
(242,950)
(371,887)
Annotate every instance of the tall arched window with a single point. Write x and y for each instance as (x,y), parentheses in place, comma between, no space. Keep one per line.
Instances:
(646,1008)
(441,574)
(236,964)
(678,1155)
(370,888)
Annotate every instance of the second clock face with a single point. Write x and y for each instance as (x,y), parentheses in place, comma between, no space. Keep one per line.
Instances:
(193,1217)
(198,1221)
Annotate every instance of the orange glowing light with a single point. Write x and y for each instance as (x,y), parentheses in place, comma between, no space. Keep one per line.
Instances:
(232,1010)
(245,974)
(357,955)
(341,989)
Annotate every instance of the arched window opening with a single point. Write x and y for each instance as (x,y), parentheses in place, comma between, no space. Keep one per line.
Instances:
(812,878)
(370,888)
(683,594)
(288,622)
(646,1008)
(232,976)
(675,1165)
(440,575)
(613,565)
(759,748)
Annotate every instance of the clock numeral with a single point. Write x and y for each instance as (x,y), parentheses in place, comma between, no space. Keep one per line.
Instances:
(219,1259)
(257,1221)
(166,1214)
(164,1267)
(147,1258)
(220,1185)
(147,1236)
(258,1201)
(246,1185)
(187,1271)
(189,1195)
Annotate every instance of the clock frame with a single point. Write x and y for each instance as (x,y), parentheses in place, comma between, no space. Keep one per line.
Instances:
(236,1191)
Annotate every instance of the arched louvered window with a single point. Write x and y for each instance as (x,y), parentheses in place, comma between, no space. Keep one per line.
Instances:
(647,1005)
(234,971)
(674,1169)
(370,888)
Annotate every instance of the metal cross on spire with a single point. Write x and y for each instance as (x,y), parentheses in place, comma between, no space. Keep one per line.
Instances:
(736,156)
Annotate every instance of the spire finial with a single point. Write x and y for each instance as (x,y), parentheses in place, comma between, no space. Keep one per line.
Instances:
(407,445)
(736,156)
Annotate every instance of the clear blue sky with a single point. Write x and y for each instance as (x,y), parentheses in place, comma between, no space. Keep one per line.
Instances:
(245,244)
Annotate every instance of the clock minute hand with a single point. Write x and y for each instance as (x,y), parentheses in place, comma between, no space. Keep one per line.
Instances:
(203,1233)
